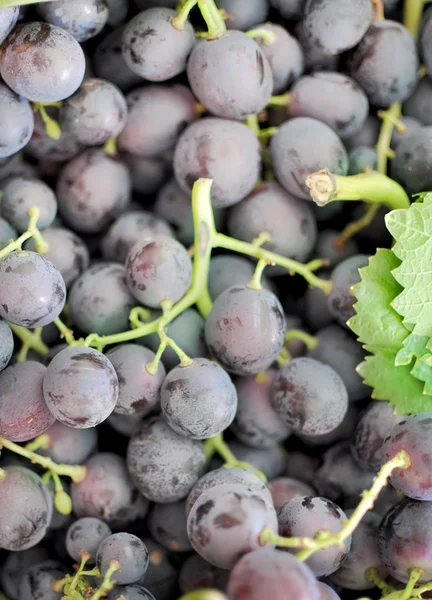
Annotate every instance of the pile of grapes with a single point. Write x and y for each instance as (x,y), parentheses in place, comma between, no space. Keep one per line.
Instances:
(215,292)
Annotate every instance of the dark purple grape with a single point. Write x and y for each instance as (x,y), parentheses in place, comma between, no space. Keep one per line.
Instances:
(334,26)
(80,387)
(25,509)
(37,581)
(315,57)
(109,64)
(230,75)
(198,401)
(328,247)
(69,446)
(385,63)
(86,535)
(244,14)
(153,48)
(196,574)
(362,159)
(157,115)
(83,19)
(131,592)
(125,424)
(92,190)
(290,9)
(148,174)
(419,105)
(22,193)
(226,521)
(130,552)
(412,126)
(305,516)
(296,154)
(411,165)
(284,489)
(342,432)
(16,120)
(256,423)
(270,573)
(301,466)
(118,10)
(45,148)
(227,270)
(95,113)
(42,62)
(138,390)
(16,564)
(341,300)
(327,593)
(316,312)
(8,19)
(161,576)
(425,40)
(107,492)
(367,136)
(270,461)
(245,329)
(167,526)
(224,151)
(6,344)
(163,465)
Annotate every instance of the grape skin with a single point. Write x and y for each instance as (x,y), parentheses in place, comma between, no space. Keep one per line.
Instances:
(131,592)
(22,193)
(37,581)
(86,535)
(361,159)
(6,344)
(83,19)
(284,489)
(368,136)
(316,312)
(167,526)
(302,466)
(411,165)
(131,553)
(315,58)
(125,424)
(327,593)
(244,14)
(162,575)
(16,121)
(8,19)
(328,248)
(341,300)
(227,270)
(148,174)
(196,574)
(109,64)
(69,446)
(15,564)
(7,233)
(270,461)
(412,125)
(419,105)
(42,147)
(290,9)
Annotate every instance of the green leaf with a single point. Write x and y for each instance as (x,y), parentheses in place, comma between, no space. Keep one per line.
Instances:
(415,349)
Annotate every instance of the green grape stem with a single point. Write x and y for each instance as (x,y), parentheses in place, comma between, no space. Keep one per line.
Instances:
(204,594)
(268,37)
(183,10)
(213,18)
(308,340)
(217,444)
(7,3)
(32,232)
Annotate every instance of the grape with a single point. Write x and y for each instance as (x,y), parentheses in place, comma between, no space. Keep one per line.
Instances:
(327,593)
(138,390)
(158,268)
(67,252)
(107,492)
(256,423)
(80,387)
(363,159)
(100,301)
(25,509)
(412,126)
(295,153)
(315,58)
(148,174)
(305,516)
(224,151)
(227,270)
(196,574)
(289,9)
(228,475)
(42,62)
(328,247)
(270,461)
(310,396)
(16,120)
(284,489)
(301,466)
(167,525)
(131,592)
(109,64)
(95,113)
(341,300)
(125,424)
(425,42)
(385,63)
(411,165)
(153,48)
(15,565)
(22,193)
(163,465)
(127,230)
(7,233)
(226,522)
(36,582)
(131,553)
(245,329)
(86,535)
(270,573)
(343,431)
(363,555)
(368,136)
(374,425)
(404,541)
(42,147)
(244,14)
(198,401)
(8,20)
(419,104)
(6,344)
(23,412)
(334,26)
(83,19)
(161,576)
(58,520)
(230,75)
(92,190)
(69,446)
(157,115)
(317,314)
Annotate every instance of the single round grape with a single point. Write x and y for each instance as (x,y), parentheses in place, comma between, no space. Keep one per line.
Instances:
(163,465)
(8,19)
(230,75)
(69,446)
(42,62)
(99,300)
(419,105)
(295,153)
(80,387)
(37,581)
(16,120)
(385,63)
(226,521)
(411,165)
(32,291)
(270,573)
(412,126)
(362,159)
(153,48)
(270,461)
(167,526)
(196,574)
(305,516)
(314,56)
(148,174)
(15,564)
(95,113)
(227,270)
(83,19)
(245,329)
(284,489)
(6,344)
(109,64)
(290,9)
(336,25)
(22,193)
(404,540)
(310,396)
(256,423)
(161,577)
(302,466)
(7,233)
(224,151)
(341,300)
(327,593)
(92,190)
(25,509)
(43,147)
(244,14)
(130,552)
(158,268)
(157,114)
(127,230)
(289,221)
(138,390)
(131,592)
(86,535)
(198,401)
